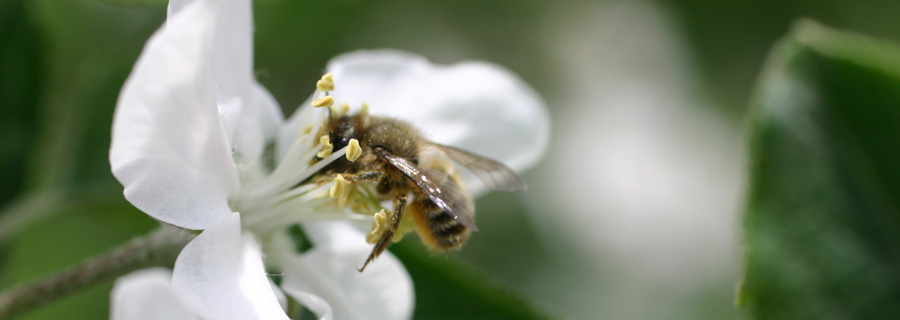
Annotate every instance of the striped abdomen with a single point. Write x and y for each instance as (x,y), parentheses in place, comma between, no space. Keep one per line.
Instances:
(438,229)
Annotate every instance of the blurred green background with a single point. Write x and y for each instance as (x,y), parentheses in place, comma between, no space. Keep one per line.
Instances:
(633,214)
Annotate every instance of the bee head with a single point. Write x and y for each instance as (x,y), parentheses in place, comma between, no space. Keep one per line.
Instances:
(342,133)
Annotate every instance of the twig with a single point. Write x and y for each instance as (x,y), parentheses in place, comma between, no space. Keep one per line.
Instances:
(159,248)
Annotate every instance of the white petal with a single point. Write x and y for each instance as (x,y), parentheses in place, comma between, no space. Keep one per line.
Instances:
(233,53)
(279,295)
(237,91)
(168,146)
(268,112)
(291,130)
(146,295)
(175,6)
(314,303)
(256,126)
(477,106)
(329,271)
(220,275)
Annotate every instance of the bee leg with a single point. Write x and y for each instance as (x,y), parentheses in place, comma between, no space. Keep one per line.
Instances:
(365,176)
(385,239)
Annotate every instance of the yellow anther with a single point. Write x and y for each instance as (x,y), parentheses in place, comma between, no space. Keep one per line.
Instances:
(325,101)
(379,226)
(326,145)
(343,191)
(307,129)
(325,85)
(328,77)
(340,184)
(353,150)
(364,109)
(344,108)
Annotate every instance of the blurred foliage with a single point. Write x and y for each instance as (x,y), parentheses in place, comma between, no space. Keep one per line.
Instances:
(731,38)
(823,222)
(20,59)
(449,289)
(79,229)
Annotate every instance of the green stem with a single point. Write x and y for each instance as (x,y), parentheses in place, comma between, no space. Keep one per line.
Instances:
(158,248)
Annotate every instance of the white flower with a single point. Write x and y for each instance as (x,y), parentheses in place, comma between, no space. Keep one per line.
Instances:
(189,144)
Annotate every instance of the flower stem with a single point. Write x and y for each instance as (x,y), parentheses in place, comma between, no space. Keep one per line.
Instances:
(158,248)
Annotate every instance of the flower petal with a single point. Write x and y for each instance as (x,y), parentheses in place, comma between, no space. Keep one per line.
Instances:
(220,275)
(245,107)
(146,295)
(168,146)
(233,51)
(477,106)
(268,112)
(248,112)
(329,271)
(313,302)
(175,6)
(256,126)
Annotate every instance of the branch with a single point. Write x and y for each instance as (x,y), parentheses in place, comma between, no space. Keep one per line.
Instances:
(159,248)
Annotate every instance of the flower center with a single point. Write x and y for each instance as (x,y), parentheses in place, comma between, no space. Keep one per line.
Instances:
(294,191)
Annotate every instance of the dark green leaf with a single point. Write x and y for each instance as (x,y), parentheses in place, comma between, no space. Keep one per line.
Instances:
(20,86)
(823,219)
(448,289)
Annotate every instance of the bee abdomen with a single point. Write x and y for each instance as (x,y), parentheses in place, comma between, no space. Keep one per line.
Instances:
(438,229)
(451,234)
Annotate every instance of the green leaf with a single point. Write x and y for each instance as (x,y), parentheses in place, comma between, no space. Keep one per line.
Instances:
(20,87)
(448,289)
(822,224)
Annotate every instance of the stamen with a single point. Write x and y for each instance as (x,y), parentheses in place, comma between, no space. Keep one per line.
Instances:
(353,150)
(342,191)
(339,185)
(344,108)
(306,130)
(325,85)
(365,108)
(379,227)
(328,77)
(326,145)
(334,111)
(325,101)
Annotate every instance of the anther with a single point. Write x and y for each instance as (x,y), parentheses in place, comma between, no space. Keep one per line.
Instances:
(325,85)
(344,108)
(325,101)
(364,109)
(325,142)
(353,150)
(339,185)
(379,226)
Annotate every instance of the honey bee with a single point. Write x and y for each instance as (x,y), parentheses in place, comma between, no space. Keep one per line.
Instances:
(391,152)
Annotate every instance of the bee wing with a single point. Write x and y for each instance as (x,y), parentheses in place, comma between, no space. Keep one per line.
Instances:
(495,175)
(442,191)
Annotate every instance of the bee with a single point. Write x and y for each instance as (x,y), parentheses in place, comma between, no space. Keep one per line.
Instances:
(391,153)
